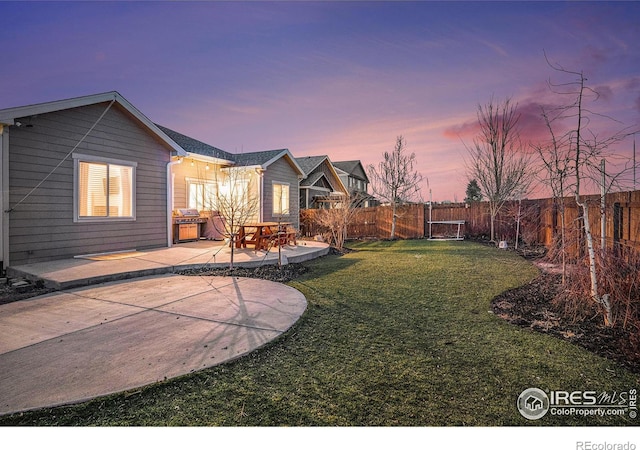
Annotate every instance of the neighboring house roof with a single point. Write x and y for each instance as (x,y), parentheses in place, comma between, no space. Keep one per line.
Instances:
(8,116)
(192,145)
(313,179)
(311,163)
(350,167)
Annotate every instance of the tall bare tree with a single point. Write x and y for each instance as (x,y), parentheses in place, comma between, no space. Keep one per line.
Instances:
(395,179)
(497,159)
(585,150)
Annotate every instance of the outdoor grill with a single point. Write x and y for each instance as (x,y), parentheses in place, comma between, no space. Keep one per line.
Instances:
(186,224)
(187,215)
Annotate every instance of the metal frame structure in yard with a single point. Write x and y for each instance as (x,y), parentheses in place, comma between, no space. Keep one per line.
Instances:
(457,237)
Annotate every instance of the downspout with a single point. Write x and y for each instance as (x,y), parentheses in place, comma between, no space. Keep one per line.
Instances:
(261,194)
(170,165)
(4,198)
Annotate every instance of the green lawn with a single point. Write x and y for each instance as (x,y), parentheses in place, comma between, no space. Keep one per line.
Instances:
(396,333)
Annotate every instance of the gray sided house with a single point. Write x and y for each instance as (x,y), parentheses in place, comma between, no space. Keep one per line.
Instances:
(321,186)
(81,176)
(94,175)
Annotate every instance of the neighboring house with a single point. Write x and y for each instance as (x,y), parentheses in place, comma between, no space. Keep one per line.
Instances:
(321,187)
(93,174)
(354,177)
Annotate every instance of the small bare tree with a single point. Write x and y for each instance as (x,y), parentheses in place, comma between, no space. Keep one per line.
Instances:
(395,180)
(236,200)
(556,159)
(336,220)
(497,159)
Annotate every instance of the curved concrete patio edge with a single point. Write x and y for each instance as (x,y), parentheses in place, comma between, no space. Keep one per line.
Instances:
(78,272)
(72,346)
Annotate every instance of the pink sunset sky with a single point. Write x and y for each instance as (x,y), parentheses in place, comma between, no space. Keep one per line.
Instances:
(342,79)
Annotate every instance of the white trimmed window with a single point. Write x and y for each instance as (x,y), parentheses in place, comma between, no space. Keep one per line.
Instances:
(281,199)
(201,195)
(104,189)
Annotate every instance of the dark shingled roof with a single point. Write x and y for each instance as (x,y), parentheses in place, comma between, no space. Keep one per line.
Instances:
(350,167)
(194,146)
(308,163)
(313,179)
(347,166)
(256,158)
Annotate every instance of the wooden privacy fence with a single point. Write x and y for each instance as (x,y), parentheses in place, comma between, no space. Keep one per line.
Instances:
(540,221)
(373,222)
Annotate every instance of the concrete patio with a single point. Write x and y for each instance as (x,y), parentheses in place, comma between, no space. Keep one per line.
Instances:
(125,320)
(88,270)
(83,343)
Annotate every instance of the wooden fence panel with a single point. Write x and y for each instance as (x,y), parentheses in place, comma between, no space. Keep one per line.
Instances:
(409,222)
(364,224)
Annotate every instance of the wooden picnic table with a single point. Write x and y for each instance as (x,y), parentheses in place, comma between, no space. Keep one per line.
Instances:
(260,234)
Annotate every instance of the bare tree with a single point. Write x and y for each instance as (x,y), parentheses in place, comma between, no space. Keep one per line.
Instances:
(497,159)
(585,150)
(556,159)
(236,200)
(395,180)
(337,220)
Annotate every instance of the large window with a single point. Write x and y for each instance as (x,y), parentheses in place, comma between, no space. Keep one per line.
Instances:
(280,199)
(105,189)
(202,195)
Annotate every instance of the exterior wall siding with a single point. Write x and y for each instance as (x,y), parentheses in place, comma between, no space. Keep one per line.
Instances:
(42,227)
(324,168)
(281,172)
(184,171)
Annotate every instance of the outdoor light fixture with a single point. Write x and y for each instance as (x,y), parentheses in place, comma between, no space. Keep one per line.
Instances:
(207,166)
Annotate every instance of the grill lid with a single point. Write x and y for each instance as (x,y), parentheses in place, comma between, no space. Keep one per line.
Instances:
(186,212)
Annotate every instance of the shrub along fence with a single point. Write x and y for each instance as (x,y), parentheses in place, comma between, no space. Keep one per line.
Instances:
(540,221)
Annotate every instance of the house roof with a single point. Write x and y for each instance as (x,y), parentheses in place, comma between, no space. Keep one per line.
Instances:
(8,116)
(195,146)
(262,159)
(313,179)
(256,158)
(265,158)
(309,163)
(350,168)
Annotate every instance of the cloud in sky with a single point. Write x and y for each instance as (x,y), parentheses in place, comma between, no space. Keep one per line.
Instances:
(336,78)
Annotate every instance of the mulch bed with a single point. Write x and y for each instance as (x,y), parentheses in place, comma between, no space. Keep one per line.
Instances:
(269,272)
(531,306)
(10,294)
